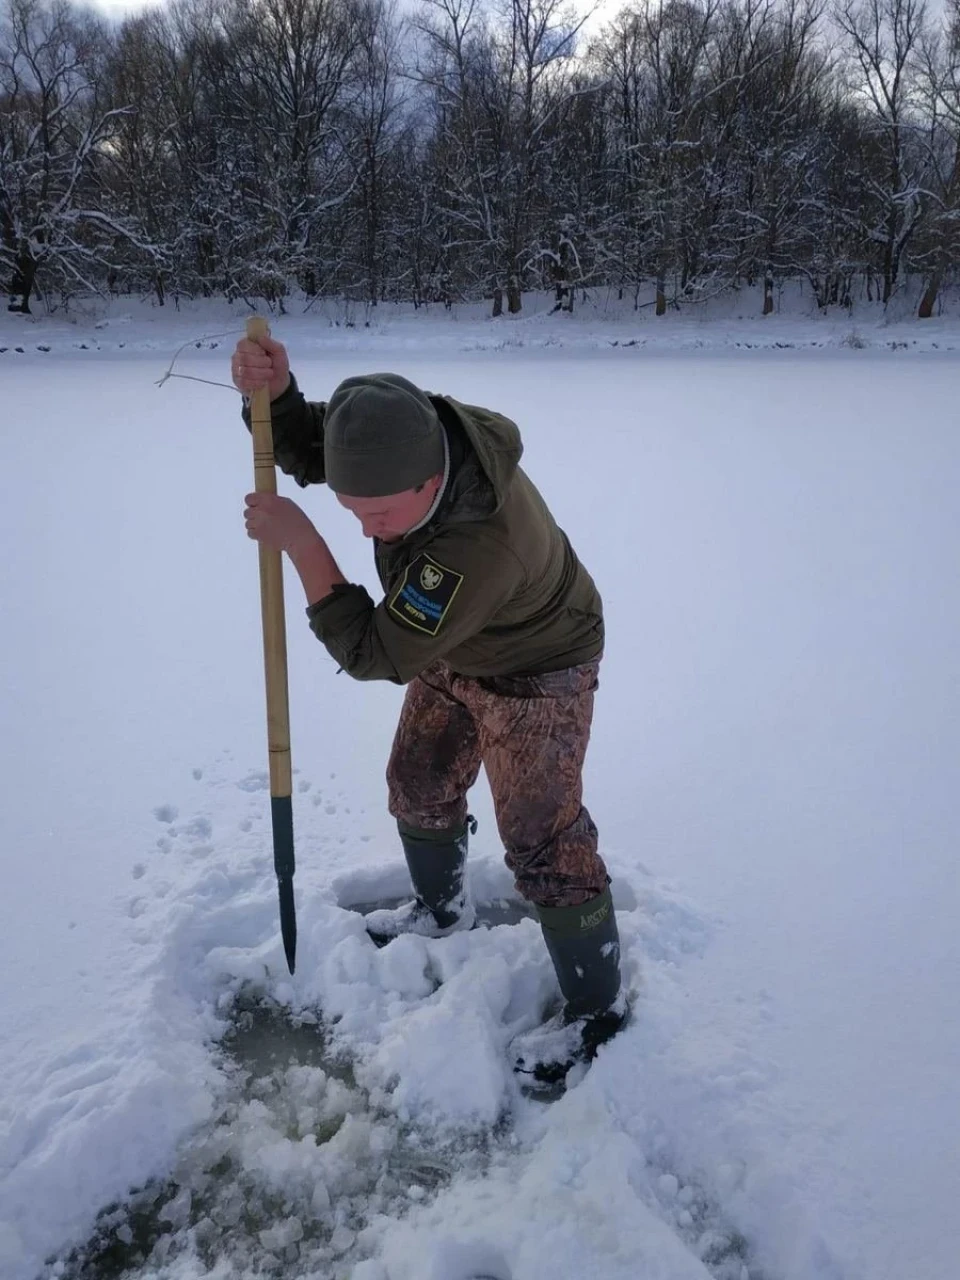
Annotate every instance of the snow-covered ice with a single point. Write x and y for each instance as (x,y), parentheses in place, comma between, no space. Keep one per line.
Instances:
(772,770)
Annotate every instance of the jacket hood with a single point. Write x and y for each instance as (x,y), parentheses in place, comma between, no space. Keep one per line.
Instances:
(481,484)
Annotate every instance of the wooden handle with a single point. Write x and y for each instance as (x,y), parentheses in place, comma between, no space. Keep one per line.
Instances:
(271,593)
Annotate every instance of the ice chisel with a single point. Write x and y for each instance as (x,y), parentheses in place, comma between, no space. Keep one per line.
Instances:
(275,668)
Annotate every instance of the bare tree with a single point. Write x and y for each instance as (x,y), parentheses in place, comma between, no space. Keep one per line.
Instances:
(767,109)
(281,87)
(55,138)
(145,80)
(940,61)
(375,111)
(660,69)
(498,88)
(883,39)
(618,59)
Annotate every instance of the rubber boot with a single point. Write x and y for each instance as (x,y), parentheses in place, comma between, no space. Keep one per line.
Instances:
(584,946)
(437,863)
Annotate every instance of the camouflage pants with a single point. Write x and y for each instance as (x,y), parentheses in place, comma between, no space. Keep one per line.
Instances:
(531,734)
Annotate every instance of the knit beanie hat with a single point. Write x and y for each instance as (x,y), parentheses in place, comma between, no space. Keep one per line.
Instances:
(381,435)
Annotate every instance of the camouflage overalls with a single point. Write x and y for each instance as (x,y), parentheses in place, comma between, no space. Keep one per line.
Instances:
(531,735)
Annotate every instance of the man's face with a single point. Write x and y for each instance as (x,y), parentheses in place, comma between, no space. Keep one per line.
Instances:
(390,517)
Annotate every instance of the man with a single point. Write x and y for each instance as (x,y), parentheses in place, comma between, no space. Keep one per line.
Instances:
(495,627)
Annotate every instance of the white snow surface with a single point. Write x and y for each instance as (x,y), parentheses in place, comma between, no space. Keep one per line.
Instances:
(773,771)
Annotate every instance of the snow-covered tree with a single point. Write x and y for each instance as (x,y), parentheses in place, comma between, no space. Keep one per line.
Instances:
(58,226)
(940,90)
(883,39)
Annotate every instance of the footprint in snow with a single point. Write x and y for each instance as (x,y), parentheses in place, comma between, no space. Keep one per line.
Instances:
(166,812)
(257,781)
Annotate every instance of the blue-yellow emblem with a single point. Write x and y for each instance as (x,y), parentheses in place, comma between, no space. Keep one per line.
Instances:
(425,594)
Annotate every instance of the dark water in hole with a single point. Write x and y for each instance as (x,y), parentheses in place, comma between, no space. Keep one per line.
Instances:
(293,1166)
(263,1040)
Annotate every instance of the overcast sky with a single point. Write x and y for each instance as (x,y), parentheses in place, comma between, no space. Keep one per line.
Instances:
(603,8)
(120,8)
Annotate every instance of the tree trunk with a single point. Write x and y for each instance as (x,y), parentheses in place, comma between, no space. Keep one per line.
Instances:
(497,301)
(768,291)
(888,265)
(514,296)
(21,286)
(661,294)
(932,291)
(929,299)
(563,290)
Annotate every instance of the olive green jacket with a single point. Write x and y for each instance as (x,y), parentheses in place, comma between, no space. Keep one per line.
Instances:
(490,585)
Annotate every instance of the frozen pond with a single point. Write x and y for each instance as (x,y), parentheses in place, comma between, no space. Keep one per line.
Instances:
(772,771)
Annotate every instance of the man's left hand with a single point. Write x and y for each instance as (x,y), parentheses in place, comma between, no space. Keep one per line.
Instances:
(278,523)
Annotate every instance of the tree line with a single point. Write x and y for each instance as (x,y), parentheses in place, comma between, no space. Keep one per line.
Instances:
(266,149)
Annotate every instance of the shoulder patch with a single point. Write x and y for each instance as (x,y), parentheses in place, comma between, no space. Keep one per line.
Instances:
(425,594)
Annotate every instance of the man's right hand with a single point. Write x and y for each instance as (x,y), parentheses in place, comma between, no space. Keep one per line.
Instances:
(258,364)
